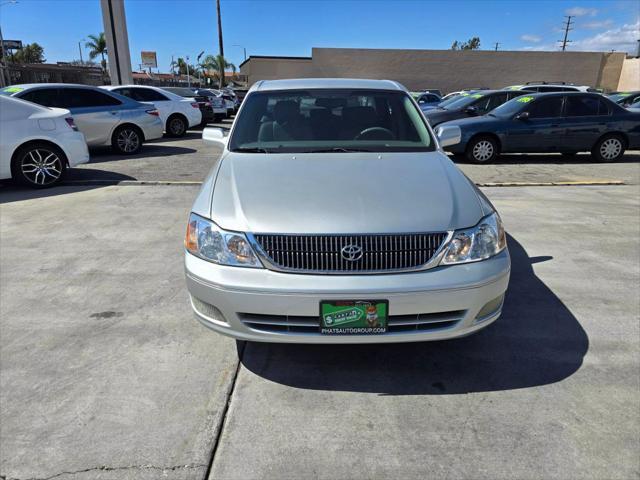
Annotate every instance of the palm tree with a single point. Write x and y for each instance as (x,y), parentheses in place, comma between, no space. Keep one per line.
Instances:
(218,64)
(98,46)
(181,66)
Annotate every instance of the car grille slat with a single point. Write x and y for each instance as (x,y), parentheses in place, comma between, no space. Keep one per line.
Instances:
(324,253)
(417,323)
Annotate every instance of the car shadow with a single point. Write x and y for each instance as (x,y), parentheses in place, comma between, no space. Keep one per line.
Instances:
(11,192)
(101,155)
(537,341)
(552,158)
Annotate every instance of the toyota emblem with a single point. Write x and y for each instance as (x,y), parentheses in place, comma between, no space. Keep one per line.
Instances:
(351,253)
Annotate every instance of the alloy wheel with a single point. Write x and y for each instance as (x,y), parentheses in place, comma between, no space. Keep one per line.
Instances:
(483,150)
(128,140)
(176,126)
(610,148)
(41,166)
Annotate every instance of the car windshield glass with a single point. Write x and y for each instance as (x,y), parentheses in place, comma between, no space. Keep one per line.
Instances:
(183,92)
(461,101)
(511,107)
(330,121)
(618,97)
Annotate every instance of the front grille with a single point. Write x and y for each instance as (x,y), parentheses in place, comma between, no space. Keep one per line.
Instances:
(422,322)
(324,253)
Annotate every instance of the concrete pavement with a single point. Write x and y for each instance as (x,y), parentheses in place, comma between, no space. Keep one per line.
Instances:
(105,374)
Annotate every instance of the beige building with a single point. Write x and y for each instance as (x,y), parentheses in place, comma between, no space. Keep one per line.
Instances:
(447,70)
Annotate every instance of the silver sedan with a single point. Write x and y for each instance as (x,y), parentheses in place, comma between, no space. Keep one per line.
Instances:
(334,216)
(105,118)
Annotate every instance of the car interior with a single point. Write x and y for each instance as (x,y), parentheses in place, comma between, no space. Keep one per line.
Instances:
(350,117)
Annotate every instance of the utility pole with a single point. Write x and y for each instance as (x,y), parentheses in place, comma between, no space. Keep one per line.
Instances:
(188,77)
(497,45)
(567,27)
(80,50)
(220,44)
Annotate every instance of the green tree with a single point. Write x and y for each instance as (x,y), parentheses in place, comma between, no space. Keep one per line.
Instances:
(97,45)
(218,64)
(471,44)
(181,66)
(29,53)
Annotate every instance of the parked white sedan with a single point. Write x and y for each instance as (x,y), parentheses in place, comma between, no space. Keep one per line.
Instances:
(177,113)
(37,143)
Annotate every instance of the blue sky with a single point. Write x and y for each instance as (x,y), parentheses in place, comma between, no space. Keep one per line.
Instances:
(293,27)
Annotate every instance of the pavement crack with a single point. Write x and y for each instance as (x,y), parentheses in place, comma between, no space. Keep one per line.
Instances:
(223,417)
(104,468)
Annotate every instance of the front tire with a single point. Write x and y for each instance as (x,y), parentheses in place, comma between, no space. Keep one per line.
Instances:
(127,140)
(482,149)
(609,148)
(39,165)
(177,126)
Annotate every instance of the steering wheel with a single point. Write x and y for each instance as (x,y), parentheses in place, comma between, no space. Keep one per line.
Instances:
(375,133)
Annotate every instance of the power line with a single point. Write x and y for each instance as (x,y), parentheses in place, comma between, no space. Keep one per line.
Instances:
(567,27)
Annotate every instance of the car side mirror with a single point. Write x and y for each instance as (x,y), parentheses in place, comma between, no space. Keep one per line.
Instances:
(214,136)
(471,110)
(448,135)
(522,116)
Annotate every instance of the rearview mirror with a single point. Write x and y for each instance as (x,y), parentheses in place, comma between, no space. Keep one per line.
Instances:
(448,135)
(212,135)
(522,116)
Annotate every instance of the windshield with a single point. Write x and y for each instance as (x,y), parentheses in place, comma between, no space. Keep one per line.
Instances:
(330,121)
(460,101)
(511,107)
(182,91)
(619,97)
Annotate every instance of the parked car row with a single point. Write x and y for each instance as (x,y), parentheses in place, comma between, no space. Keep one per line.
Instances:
(44,124)
(518,119)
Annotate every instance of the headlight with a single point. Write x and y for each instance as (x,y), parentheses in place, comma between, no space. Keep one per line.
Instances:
(206,240)
(477,243)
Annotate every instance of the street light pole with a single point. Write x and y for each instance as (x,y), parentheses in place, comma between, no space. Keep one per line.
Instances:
(80,50)
(243,49)
(188,78)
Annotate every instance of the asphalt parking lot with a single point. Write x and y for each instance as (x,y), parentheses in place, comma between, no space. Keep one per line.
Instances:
(106,375)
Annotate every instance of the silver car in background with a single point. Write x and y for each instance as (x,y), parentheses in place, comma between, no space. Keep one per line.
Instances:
(105,118)
(334,216)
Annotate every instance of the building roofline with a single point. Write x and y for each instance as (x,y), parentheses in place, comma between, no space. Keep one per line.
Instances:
(273,57)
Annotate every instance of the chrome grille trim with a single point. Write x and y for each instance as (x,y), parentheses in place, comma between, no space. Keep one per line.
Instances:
(310,325)
(320,254)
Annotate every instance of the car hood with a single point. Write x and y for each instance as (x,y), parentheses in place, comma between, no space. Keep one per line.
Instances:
(341,193)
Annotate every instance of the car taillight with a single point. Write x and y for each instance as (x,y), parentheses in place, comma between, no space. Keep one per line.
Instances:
(71,123)
(195,105)
(153,112)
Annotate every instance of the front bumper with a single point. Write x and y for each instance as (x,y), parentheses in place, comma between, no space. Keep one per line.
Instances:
(267,306)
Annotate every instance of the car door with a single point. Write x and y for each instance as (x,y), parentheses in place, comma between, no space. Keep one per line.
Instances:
(585,119)
(96,113)
(541,131)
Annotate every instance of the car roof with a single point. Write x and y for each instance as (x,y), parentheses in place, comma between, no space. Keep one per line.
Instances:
(328,83)
(26,86)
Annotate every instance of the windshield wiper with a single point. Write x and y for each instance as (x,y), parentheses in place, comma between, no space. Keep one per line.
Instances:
(251,150)
(338,149)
